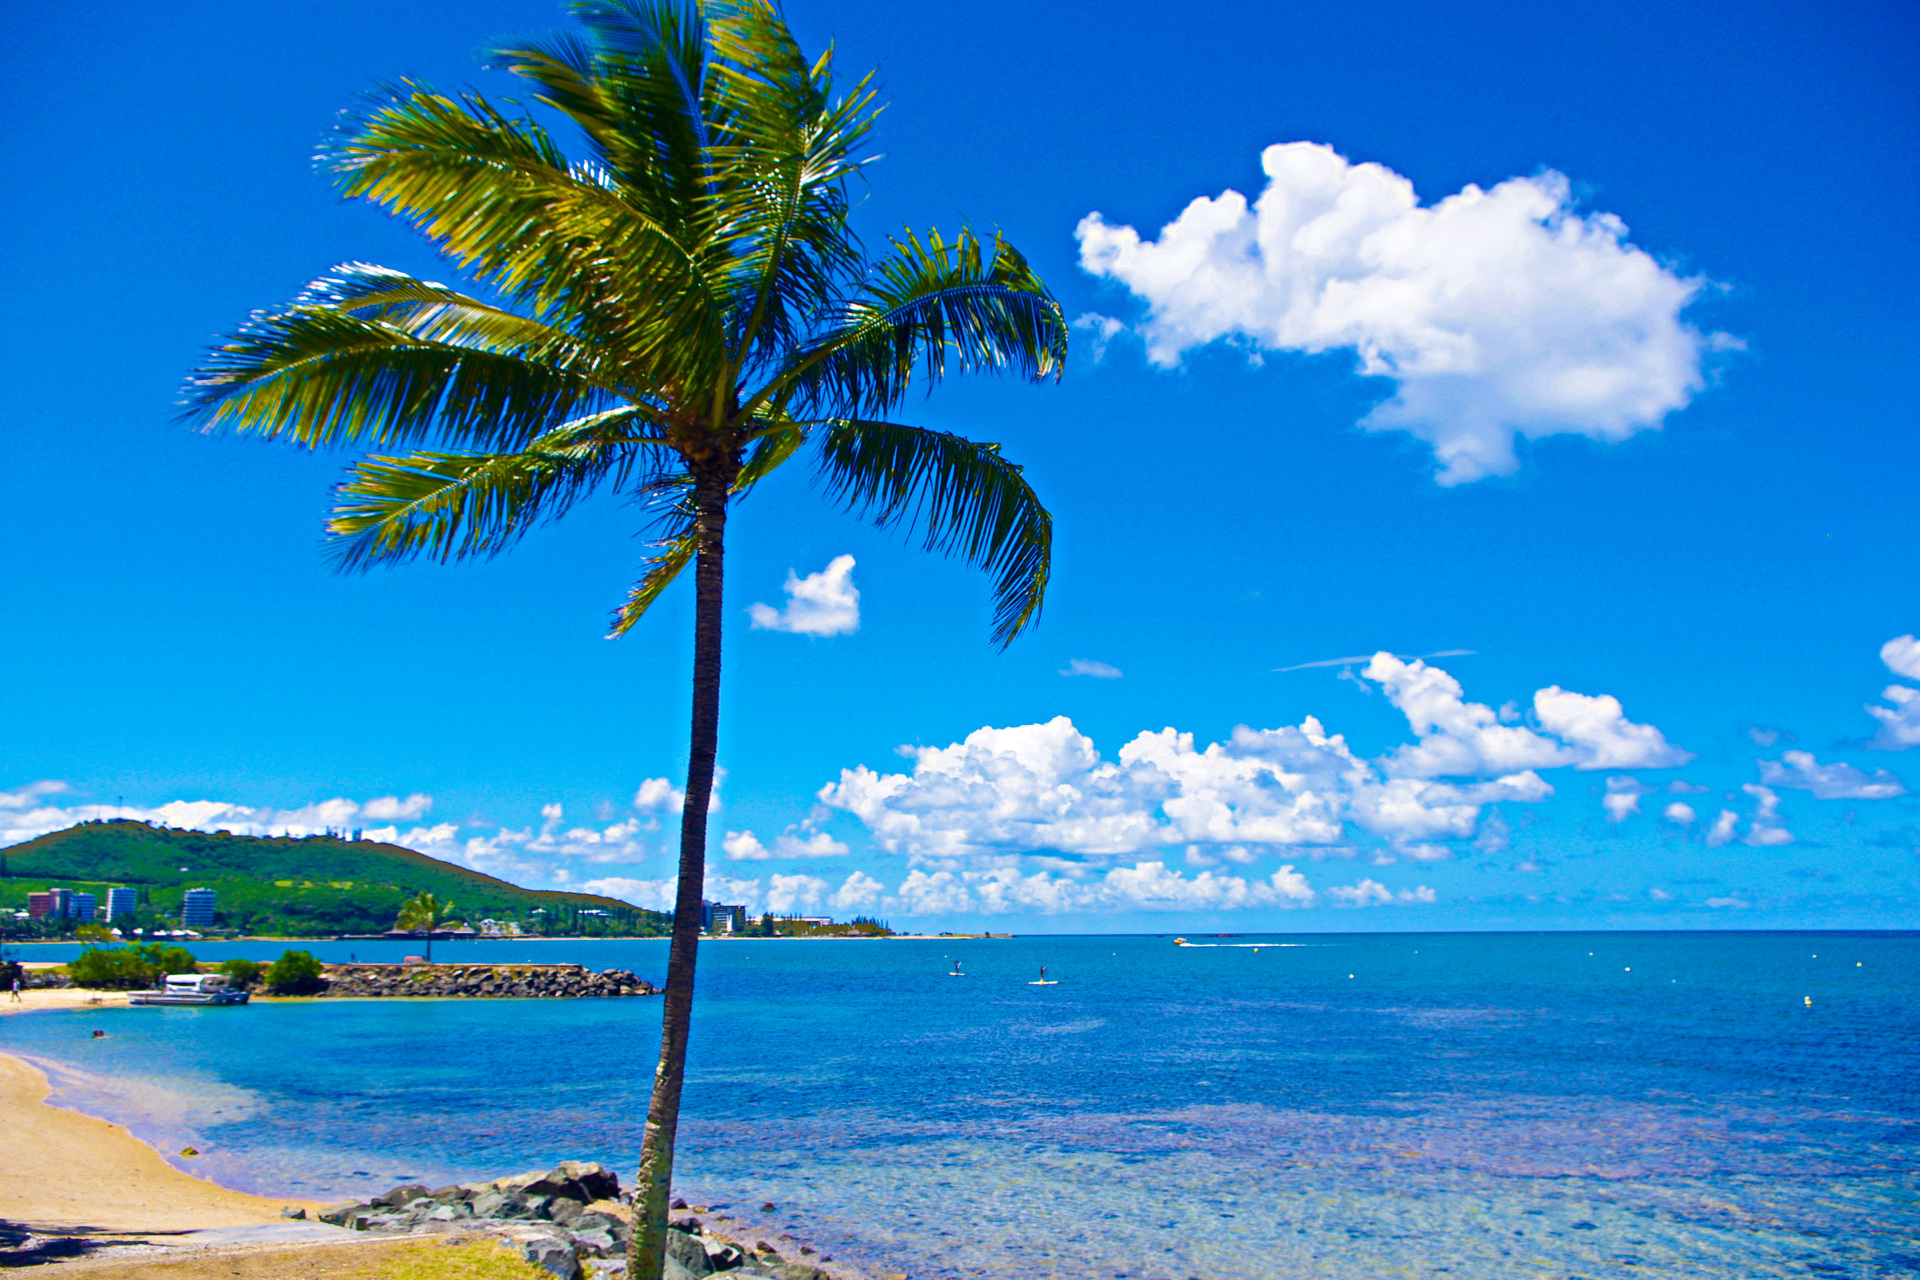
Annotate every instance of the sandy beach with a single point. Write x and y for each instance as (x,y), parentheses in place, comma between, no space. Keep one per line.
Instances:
(68,1172)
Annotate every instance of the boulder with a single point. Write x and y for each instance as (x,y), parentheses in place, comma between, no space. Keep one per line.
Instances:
(490,1203)
(724,1257)
(690,1252)
(595,1244)
(552,1255)
(447,1195)
(400,1195)
(672,1270)
(337,1214)
(563,1209)
(798,1271)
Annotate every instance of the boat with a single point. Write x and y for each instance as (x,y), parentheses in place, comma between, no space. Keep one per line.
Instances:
(192,989)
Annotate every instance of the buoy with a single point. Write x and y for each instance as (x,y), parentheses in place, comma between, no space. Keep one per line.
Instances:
(1809,1000)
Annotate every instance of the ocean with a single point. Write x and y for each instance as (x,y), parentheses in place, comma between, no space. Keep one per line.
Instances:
(1471,1105)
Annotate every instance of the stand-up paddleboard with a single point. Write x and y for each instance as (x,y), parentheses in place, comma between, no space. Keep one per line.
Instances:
(956,971)
(1044,981)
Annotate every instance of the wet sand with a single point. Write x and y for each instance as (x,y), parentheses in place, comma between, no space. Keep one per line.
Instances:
(66,1172)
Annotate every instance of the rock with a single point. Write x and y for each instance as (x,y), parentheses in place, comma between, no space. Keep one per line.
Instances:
(526,1206)
(447,1195)
(298,1215)
(448,1213)
(594,1244)
(389,1221)
(552,1255)
(563,1209)
(400,1195)
(607,1268)
(336,1214)
(672,1270)
(690,1252)
(798,1271)
(489,1203)
(724,1257)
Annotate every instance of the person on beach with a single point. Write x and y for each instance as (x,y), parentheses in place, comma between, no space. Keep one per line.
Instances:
(16,988)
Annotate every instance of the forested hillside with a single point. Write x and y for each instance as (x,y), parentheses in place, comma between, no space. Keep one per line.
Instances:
(291,886)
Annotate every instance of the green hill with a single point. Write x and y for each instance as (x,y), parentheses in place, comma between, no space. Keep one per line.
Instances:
(291,886)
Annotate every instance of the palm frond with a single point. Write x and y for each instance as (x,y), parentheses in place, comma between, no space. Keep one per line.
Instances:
(965,497)
(931,302)
(458,506)
(374,357)
(674,551)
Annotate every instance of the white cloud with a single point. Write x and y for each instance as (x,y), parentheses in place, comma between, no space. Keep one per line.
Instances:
(1734,903)
(1366,893)
(1087,667)
(1601,734)
(859,892)
(820,604)
(1622,799)
(1902,656)
(1766,826)
(1497,313)
(1900,723)
(1681,787)
(788,895)
(1045,789)
(1467,739)
(1681,815)
(1659,895)
(657,795)
(1800,771)
(1100,331)
(1722,830)
(744,846)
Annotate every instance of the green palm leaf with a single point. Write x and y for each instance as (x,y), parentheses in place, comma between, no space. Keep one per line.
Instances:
(961,495)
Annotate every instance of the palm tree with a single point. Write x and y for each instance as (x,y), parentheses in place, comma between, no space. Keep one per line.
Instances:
(425,913)
(671,316)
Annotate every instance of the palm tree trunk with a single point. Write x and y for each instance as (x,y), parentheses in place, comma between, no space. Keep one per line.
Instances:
(647,1248)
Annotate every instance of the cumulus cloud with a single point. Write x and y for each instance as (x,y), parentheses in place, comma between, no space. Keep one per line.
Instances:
(657,795)
(1902,656)
(1622,798)
(1145,886)
(1766,826)
(1087,667)
(857,893)
(33,811)
(1800,771)
(1681,815)
(1045,789)
(1722,830)
(820,604)
(1900,723)
(1497,313)
(1372,893)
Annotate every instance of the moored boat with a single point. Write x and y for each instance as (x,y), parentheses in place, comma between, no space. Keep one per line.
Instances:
(192,989)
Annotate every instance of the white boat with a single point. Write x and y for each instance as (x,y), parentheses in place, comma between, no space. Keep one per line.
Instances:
(192,989)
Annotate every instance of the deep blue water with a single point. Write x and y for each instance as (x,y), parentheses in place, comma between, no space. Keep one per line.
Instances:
(1472,1105)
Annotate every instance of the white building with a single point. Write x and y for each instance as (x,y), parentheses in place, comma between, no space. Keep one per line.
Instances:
(122,901)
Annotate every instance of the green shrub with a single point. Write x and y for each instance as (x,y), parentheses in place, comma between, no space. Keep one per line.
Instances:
(242,973)
(294,973)
(120,968)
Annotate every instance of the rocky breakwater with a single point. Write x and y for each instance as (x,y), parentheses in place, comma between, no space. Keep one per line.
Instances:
(525,981)
(571,1220)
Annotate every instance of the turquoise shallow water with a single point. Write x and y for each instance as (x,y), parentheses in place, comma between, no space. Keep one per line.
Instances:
(1495,1105)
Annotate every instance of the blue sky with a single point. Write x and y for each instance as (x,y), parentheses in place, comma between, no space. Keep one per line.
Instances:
(1682,275)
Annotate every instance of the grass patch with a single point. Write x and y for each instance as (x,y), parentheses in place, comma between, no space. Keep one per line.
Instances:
(468,1260)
